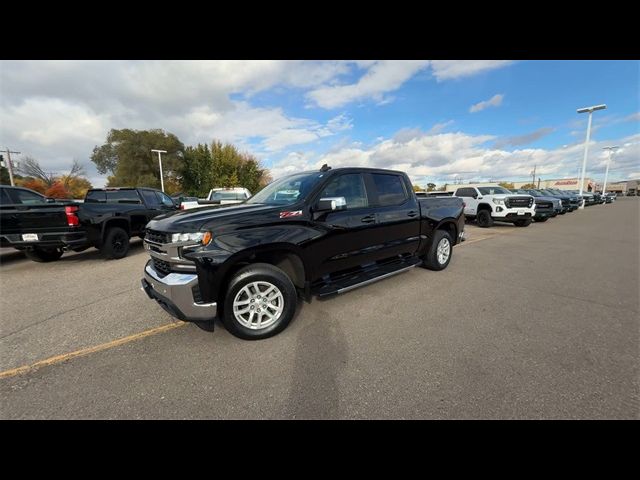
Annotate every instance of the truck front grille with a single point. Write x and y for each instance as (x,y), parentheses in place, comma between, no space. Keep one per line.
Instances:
(543,205)
(156,237)
(514,202)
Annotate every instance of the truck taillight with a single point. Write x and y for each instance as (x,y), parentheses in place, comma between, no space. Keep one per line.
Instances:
(72,218)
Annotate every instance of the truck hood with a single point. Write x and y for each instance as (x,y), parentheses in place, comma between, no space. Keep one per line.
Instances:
(196,219)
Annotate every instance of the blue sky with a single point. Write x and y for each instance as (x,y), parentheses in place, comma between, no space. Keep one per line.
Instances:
(437,120)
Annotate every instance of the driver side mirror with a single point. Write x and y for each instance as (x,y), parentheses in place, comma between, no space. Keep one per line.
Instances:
(329,204)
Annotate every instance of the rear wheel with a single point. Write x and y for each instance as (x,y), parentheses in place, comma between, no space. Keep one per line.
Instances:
(42,255)
(116,243)
(439,254)
(523,223)
(484,219)
(260,302)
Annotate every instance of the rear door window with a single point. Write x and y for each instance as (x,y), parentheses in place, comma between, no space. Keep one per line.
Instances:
(150,198)
(390,189)
(164,199)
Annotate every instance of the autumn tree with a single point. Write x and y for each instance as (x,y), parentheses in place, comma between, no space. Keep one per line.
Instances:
(57,190)
(528,185)
(507,185)
(33,184)
(417,188)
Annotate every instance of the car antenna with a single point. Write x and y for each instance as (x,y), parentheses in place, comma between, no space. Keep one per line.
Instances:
(325,168)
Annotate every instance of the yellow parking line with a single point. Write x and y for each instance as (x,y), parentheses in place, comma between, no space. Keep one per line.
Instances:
(85,351)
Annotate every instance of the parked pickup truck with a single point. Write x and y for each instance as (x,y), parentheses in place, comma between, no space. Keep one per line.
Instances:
(494,203)
(45,228)
(218,196)
(331,231)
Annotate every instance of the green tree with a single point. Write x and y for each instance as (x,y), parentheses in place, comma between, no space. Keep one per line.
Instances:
(222,165)
(431,187)
(127,156)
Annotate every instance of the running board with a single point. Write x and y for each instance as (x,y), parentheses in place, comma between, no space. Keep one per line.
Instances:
(365,278)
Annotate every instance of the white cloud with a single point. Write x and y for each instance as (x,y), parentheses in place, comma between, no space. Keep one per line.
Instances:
(446,156)
(454,69)
(494,101)
(380,78)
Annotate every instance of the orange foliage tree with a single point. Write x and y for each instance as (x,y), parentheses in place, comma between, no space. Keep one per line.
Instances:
(34,184)
(57,190)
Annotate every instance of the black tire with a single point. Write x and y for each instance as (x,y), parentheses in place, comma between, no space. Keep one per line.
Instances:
(541,220)
(430,259)
(523,223)
(484,219)
(115,244)
(43,255)
(255,273)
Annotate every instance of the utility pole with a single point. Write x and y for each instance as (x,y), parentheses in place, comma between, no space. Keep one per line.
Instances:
(9,164)
(533,175)
(606,174)
(538,183)
(160,161)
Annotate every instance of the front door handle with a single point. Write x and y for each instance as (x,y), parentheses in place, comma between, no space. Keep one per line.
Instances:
(368,219)
(412,213)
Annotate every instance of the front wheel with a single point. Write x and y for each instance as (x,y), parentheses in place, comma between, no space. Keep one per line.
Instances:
(484,219)
(260,302)
(439,254)
(523,223)
(42,255)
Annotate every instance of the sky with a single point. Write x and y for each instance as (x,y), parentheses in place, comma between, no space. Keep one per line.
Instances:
(441,121)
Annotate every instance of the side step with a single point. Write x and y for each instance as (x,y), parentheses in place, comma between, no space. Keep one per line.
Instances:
(363,278)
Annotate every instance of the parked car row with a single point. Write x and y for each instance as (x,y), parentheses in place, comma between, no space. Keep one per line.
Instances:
(488,204)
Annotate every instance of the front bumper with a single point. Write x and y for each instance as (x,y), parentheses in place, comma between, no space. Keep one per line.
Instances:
(175,294)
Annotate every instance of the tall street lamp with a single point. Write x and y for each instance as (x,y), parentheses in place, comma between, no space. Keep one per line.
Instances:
(590,110)
(160,162)
(606,173)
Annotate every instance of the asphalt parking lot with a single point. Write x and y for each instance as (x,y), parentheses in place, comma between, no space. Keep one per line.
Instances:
(537,322)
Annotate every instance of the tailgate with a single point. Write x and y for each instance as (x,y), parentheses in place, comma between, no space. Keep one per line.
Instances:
(32,218)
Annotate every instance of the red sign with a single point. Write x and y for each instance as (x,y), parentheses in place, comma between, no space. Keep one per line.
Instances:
(567,182)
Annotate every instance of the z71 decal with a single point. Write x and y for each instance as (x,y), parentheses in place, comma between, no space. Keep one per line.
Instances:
(297,213)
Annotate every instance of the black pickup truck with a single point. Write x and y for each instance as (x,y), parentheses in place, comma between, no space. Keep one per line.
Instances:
(312,233)
(45,228)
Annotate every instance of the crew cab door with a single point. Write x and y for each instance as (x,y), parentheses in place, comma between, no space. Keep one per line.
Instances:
(470,197)
(397,229)
(348,242)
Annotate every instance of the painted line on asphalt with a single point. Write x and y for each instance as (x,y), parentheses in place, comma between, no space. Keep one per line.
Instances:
(86,351)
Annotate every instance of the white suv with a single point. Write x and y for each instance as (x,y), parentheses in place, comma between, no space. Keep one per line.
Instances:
(486,204)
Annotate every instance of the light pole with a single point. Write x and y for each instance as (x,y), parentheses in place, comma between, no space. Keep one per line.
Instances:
(589,110)
(606,173)
(160,162)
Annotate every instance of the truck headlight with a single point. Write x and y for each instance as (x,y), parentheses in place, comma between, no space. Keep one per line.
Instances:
(498,201)
(202,237)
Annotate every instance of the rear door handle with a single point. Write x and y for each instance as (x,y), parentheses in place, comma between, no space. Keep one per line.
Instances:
(368,219)
(412,213)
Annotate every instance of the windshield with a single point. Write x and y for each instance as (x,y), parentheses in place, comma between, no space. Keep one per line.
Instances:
(287,190)
(493,190)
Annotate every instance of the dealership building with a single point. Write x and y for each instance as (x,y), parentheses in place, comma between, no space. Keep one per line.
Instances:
(589,184)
